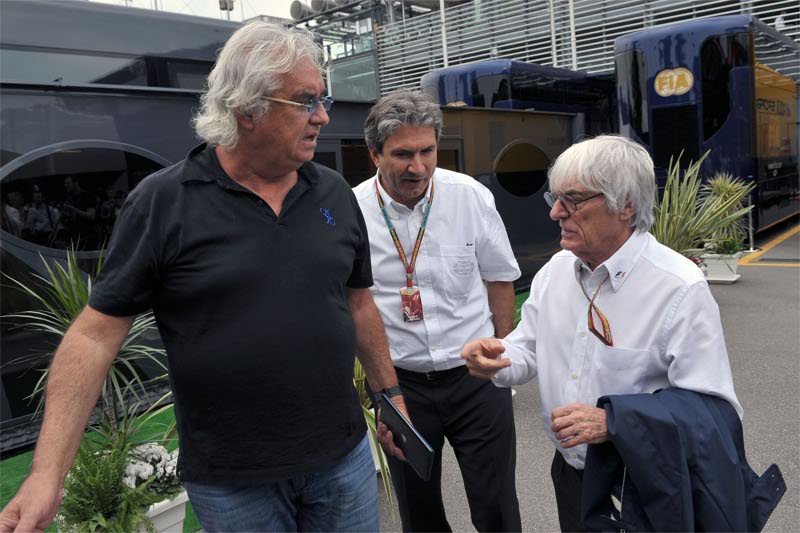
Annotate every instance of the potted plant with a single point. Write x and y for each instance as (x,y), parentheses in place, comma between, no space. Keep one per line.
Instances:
(152,465)
(117,482)
(61,295)
(687,220)
(724,249)
(722,261)
(379,458)
(94,496)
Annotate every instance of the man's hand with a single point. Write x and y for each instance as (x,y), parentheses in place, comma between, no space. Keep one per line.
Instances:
(579,423)
(483,357)
(34,507)
(385,436)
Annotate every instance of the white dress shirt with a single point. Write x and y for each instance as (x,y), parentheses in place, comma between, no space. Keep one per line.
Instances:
(664,323)
(465,242)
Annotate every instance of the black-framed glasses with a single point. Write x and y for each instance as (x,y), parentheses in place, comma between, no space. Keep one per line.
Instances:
(310,106)
(569,203)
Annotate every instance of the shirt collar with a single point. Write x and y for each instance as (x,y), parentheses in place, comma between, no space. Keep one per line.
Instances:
(203,165)
(621,263)
(388,200)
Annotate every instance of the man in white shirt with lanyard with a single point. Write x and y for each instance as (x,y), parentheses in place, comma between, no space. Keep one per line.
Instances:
(443,275)
(615,312)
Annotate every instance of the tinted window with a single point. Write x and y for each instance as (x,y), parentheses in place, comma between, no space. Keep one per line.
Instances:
(489,91)
(357,166)
(540,88)
(632,80)
(49,67)
(188,74)
(72,196)
(718,56)
(355,79)
(522,169)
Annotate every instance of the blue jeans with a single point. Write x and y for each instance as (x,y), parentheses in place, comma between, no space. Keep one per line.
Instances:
(341,497)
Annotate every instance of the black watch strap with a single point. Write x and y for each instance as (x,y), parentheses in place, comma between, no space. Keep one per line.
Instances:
(391,392)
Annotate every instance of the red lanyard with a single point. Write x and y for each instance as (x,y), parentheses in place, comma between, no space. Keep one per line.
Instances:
(400,251)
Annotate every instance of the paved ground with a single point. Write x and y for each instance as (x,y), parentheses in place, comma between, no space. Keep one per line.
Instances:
(761,318)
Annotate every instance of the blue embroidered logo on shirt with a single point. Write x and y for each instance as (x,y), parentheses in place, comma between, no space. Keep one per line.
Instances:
(327,214)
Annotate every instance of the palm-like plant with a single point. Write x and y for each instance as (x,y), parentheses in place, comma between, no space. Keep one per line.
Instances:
(61,295)
(686,220)
(720,188)
(360,380)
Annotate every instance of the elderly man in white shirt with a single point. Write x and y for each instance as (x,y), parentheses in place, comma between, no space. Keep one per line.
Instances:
(443,270)
(615,312)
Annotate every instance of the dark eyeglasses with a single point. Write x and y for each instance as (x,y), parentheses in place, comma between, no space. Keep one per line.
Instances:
(310,106)
(569,203)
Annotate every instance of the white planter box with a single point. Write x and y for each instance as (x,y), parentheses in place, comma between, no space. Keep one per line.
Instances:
(722,268)
(168,515)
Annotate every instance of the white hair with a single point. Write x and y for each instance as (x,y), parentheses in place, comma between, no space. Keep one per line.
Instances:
(616,166)
(249,67)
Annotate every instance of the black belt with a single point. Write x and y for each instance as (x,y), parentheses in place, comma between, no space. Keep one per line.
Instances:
(433,375)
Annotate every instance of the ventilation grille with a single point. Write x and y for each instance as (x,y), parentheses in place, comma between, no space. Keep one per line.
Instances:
(776,260)
(573,34)
(675,131)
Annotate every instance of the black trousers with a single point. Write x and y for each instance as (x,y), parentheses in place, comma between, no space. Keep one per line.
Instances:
(477,419)
(568,483)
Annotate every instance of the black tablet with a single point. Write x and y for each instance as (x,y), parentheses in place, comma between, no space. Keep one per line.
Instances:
(418,452)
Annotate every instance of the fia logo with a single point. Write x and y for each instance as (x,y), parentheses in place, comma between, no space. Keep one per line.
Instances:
(327,214)
(674,82)
(619,275)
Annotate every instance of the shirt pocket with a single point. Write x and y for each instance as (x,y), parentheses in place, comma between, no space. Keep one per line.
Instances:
(459,271)
(621,370)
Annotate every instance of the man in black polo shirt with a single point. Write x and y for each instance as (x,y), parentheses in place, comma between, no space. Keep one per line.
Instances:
(256,264)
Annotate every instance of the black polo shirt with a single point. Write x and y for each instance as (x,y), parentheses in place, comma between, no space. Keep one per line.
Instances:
(252,309)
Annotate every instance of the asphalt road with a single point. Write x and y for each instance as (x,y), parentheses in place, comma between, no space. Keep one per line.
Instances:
(761,319)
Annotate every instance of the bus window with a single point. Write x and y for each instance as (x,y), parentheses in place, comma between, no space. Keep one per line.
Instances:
(61,67)
(72,196)
(631,80)
(718,56)
(188,74)
(488,91)
(521,169)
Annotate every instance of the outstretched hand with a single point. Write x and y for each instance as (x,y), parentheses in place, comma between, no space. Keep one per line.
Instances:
(483,357)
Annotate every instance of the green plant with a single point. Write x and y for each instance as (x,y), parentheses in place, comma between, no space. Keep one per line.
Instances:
(720,188)
(61,295)
(685,220)
(360,380)
(94,496)
(726,247)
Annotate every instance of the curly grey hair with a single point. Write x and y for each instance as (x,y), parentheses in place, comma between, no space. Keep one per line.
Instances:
(250,66)
(402,108)
(616,166)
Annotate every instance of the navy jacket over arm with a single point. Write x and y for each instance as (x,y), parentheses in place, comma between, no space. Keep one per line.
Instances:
(678,458)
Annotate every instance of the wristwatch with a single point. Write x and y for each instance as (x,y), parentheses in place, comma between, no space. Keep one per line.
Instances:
(391,392)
